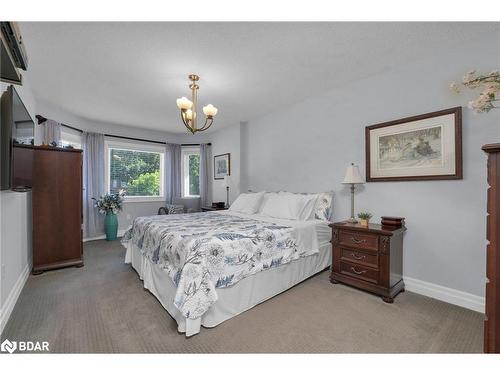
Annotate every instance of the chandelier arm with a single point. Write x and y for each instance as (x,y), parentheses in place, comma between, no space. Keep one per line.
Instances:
(205,127)
(186,122)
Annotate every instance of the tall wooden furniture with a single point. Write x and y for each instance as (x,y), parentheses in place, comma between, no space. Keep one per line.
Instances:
(492,319)
(368,258)
(57,208)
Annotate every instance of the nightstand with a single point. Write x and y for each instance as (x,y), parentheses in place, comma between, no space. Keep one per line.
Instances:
(368,258)
(210,208)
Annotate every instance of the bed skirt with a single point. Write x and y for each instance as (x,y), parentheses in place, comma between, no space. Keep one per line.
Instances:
(233,300)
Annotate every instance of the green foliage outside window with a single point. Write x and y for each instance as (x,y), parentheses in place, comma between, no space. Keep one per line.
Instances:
(136,172)
(194,174)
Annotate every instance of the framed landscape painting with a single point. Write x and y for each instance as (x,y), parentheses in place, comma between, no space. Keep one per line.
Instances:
(424,147)
(222,166)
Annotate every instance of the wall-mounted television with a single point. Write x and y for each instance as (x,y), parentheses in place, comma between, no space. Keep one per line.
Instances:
(17,130)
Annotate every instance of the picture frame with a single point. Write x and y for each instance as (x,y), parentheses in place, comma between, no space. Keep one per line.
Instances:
(222,166)
(416,148)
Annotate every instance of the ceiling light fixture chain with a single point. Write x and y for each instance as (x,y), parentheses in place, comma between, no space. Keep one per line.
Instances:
(188,108)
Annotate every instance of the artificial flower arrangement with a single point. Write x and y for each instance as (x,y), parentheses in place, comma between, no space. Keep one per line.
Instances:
(490,86)
(110,203)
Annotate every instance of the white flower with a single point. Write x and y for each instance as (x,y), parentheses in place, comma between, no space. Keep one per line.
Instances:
(469,77)
(454,87)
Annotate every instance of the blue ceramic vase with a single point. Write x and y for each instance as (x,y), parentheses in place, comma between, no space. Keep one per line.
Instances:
(111,226)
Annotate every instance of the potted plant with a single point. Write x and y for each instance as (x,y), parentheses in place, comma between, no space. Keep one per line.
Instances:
(364,218)
(110,205)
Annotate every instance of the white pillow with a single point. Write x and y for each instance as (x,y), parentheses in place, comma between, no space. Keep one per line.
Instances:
(309,207)
(286,205)
(247,203)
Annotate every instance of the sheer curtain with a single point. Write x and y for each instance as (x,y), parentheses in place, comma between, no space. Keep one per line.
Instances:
(51,132)
(93,182)
(173,171)
(204,174)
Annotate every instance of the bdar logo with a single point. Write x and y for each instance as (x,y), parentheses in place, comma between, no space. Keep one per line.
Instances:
(8,346)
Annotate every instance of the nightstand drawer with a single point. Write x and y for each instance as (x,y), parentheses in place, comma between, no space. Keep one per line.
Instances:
(359,272)
(359,257)
(359,240)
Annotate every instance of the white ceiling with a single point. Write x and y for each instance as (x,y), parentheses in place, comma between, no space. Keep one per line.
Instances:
(131,73)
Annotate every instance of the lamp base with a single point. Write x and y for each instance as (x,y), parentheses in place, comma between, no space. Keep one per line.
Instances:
(352,221)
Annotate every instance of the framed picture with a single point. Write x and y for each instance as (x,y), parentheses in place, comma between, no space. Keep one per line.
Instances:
(424,147)
(222,166)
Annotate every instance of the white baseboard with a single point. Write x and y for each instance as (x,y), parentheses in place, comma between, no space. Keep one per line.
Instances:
(121,232)
(7,308)
(442,293)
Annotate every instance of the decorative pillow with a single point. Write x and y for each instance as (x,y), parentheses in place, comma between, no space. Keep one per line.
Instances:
(323,208)
(175,209)
(247,203)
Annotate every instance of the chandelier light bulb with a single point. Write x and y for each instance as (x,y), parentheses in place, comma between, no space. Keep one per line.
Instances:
(190,114)
(184,103)
(209,110)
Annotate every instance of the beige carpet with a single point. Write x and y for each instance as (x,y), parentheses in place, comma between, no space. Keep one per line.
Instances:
(102,307)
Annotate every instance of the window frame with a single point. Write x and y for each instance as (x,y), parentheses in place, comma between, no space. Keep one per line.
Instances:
(71,136)
(185,153)
(141,147)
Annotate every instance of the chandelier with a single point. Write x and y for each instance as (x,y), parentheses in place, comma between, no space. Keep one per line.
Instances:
(188,108)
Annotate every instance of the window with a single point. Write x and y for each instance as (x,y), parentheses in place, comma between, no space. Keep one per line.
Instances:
(71,138)
(135,168)
(191,171)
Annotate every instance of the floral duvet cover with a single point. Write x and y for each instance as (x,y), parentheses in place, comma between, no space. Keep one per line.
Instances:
(205,251)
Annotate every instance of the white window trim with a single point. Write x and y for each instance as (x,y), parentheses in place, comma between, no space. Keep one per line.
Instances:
(185,153)
(108,145)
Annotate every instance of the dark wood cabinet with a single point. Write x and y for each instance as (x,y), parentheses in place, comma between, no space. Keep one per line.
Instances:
(368,258)
(492,318)
(57,208)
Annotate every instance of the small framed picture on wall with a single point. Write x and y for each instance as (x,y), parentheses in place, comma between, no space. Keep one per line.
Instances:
(423,147)
(222,166)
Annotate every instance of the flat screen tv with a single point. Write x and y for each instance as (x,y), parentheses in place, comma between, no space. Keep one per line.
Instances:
(16,143)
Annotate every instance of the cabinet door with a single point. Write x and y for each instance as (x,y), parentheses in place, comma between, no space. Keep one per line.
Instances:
(47,220)
(70,197)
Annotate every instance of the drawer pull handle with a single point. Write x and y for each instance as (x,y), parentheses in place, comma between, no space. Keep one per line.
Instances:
(355,240)
(358,257)
(357,272)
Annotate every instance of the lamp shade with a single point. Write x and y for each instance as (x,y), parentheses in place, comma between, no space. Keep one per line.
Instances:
(352,175)
(227,180)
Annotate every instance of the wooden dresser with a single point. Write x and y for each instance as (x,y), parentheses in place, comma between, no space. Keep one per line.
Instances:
(57,208)
(492,319)
(368,258)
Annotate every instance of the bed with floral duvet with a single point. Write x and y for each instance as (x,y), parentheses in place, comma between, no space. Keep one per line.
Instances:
(204,252)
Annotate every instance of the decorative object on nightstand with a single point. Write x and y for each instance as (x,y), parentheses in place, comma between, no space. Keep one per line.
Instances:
(364,218)
(227,183)
(368,258)
(353,177)
(392,221)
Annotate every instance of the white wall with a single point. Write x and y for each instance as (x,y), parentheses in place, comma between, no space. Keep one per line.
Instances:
(226,140)
(15,231)
(307,147)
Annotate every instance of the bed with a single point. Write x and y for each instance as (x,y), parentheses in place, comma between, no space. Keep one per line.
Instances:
(208,267)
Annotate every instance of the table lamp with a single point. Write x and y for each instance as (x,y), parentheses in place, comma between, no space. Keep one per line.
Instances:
(353,177)
(227,183)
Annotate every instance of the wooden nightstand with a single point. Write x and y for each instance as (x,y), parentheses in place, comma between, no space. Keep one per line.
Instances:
(210,208)
(368,258)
